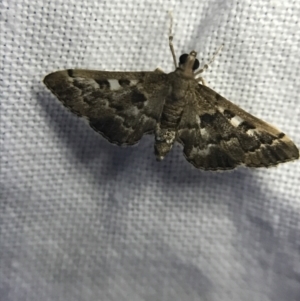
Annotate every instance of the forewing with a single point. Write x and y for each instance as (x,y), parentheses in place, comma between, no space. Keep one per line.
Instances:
(122,106)
(218,135)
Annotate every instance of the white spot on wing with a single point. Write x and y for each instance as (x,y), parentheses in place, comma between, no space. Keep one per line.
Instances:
(221,109)
(251,132)
(236,121)
(134,111)
(198,120)
(202,152)
(103,102)
(133,82)
(204,133)
(88,82)
(114,84)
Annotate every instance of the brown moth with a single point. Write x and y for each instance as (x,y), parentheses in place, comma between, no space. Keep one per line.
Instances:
(215,133)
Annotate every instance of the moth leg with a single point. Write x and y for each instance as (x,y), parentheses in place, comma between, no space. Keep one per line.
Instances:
(205,67)
(158,70)
(171,40)
(202,80)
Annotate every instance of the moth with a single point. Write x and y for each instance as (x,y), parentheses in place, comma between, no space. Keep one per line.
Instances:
(176,107)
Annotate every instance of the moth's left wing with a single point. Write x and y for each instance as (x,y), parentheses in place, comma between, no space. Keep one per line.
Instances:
(121,106)
(218,135)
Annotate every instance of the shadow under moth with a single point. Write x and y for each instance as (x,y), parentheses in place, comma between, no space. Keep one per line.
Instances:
(215,133)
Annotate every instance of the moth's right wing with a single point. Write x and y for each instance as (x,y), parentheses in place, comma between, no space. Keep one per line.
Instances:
(121,106)
(218,135)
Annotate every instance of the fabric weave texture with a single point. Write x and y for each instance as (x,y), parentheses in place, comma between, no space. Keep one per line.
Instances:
(81,219)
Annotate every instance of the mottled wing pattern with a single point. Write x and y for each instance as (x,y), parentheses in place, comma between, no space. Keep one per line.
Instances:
(218,135)
(122,106)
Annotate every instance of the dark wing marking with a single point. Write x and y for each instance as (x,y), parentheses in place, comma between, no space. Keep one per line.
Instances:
(218,135)
(122,106)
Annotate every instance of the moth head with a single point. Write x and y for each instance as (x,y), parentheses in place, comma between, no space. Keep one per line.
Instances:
(188,62)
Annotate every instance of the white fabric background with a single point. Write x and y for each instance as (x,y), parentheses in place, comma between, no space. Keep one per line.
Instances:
(82,219)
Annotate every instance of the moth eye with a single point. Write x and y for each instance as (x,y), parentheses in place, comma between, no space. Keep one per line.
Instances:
(183,58)
(196,65)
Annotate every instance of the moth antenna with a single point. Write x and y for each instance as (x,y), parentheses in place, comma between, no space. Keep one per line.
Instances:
(205,67)
(171,39)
